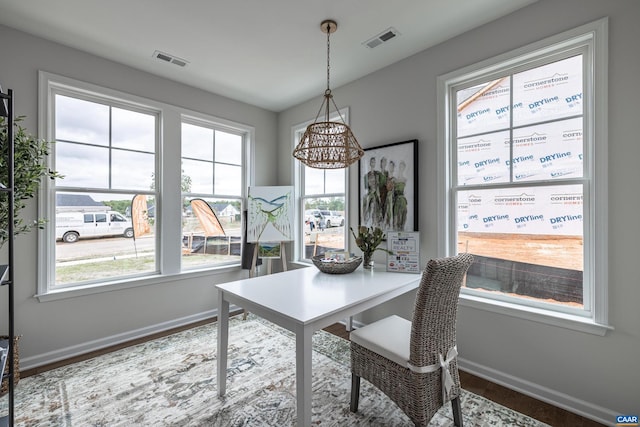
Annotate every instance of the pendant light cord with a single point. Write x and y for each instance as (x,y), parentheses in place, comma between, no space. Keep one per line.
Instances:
(328,54)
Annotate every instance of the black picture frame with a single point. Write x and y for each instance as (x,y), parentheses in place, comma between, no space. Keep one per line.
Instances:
(392,206)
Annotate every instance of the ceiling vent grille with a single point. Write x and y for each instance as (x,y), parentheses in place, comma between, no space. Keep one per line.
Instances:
(383,37)
(169,58)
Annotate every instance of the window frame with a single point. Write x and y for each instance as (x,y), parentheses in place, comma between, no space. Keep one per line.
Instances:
(168,211)
(592,38)
(217,126)
(299,188)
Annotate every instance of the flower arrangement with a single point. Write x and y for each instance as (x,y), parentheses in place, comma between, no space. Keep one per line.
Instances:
(368,240)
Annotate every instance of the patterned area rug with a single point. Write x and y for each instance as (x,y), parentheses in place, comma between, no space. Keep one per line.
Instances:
(171,381)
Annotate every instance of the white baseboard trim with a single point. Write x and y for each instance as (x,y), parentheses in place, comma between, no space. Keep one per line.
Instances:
(87,347)
(577,406)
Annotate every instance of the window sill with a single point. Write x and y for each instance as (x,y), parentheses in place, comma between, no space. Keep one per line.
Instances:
(562,320)
(96,288)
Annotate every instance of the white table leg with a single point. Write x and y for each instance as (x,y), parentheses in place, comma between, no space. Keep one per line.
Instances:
(348,324)
(303,375)
(223,342)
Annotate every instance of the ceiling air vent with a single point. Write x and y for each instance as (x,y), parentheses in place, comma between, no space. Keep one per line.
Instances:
(384,36)
(169,58)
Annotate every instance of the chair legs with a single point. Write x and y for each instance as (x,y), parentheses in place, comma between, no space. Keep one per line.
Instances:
(355,392)
(355,398)
(457,411)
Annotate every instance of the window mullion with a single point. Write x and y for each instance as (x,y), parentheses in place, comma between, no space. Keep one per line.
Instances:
(511,128)
(110,147)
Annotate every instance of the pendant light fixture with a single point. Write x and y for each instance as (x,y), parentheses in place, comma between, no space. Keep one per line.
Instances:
(326,144)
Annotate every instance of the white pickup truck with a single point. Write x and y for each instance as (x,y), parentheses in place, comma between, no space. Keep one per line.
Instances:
(334,219)
(324,218)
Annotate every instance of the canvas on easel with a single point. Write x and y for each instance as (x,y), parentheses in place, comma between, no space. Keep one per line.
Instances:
(270,220)
(270,214)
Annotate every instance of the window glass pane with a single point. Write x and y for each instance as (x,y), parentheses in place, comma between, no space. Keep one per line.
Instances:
(211,231)
(107,154)
(94,237)
(549,151)
(324,222)
(197,142)
(483,159)
(334,180)
(228,148)
(482,108)
(526,241)
(211,226)
(82,165)
(549,92)
(228,180)
(81,121)
(133,130)
(313,180)
(200,174)
(132,170)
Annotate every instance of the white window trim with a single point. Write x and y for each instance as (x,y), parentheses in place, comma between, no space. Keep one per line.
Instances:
(168,256)
(209,122)
(596,220)
(299,185)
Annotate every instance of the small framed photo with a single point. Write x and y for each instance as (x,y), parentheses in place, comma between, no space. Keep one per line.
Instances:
(269,249)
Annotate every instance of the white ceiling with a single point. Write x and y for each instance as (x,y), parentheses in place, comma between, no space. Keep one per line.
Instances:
(269,53)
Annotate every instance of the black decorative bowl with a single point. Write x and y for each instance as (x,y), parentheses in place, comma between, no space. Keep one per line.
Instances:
(336,267)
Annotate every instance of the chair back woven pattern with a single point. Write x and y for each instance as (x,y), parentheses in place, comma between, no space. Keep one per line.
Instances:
(433,328)
(433,332)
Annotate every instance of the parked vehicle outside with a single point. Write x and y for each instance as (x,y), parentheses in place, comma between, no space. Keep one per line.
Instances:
(335,219)
(323,218)
(74,225)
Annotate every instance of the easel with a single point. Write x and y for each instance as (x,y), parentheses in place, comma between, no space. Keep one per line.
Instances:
(254,262)
(313,238)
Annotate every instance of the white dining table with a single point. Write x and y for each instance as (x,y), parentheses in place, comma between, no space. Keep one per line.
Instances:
(303,301)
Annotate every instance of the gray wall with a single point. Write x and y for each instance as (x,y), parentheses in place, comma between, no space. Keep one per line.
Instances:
(594,375)
(58,328)
(597,376)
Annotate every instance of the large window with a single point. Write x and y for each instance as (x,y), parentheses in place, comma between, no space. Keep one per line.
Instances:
(106,153)
(526,156)
(212,183)
(148,189)
(323,220)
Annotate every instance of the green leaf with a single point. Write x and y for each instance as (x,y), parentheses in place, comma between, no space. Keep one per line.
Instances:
(30,169)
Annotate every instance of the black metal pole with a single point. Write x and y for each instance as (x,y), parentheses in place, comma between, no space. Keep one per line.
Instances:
(11,183)
(7,109)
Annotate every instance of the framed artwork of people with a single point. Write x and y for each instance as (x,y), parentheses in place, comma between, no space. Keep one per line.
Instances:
(388,186)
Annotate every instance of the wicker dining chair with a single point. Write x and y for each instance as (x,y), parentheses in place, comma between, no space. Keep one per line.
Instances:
(414,363)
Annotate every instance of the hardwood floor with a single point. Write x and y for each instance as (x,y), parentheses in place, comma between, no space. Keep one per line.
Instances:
(534,408)
(518,402)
